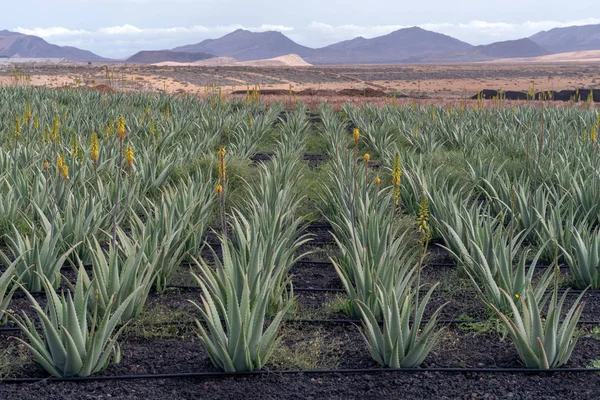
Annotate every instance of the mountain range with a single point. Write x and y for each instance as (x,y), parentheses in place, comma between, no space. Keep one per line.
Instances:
(14,44)
(408,45)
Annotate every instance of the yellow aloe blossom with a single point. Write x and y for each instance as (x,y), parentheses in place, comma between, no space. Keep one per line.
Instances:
(17,131)
(27,114)
(222,166)
(367,157)
(95,147)
(396,178)
(65,172)
(129,156)
(377,181)
(356,135)
(219,188)
(423,217)
(59,163)
(56,128)
(121,128)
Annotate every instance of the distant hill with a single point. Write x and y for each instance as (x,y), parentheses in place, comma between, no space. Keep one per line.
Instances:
(569,39)
(511,48)
(26,46)
(397,47)
(244,45)
(488,52)
(158,56)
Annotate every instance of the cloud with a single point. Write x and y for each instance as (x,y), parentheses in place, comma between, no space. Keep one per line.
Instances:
(123,40)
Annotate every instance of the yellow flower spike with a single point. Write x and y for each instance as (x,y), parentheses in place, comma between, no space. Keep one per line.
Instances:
(17,127)
(59,163)
(56,128)
(219,188)
(366,157)
(594,134)
(129,156)
(95,147)
(46,165)
(222,166)
(152,127)
(27,114)
(517,295)
(377,181)
(121,128)
(396,178)
(423,217)
(65,172)
(356,135)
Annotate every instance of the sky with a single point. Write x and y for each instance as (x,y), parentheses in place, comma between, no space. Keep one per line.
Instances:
(119,28)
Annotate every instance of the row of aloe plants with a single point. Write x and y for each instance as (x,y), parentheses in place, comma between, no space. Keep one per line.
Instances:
(247,293)
(379,261)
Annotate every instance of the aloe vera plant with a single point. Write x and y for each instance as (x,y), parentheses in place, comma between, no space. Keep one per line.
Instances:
(235,336)
(583,257)
(372,257)
(542,341)
(74,341)
(124,275)
(7,289)
(402,341)
(38,256)
(492,268)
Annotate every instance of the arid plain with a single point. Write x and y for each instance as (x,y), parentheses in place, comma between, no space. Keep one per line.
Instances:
(330,83)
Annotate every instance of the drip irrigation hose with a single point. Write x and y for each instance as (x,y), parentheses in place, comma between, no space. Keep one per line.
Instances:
(339,290)
(220,374)
(338,321)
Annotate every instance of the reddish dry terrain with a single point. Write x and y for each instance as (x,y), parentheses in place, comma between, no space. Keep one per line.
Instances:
(314,85)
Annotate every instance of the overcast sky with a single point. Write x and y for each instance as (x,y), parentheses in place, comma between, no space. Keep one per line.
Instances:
(118,28)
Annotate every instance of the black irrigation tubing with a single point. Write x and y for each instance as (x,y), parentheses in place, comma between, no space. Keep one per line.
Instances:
(340,290)
(454,264)
(425,321)
(354,371)
(310,321)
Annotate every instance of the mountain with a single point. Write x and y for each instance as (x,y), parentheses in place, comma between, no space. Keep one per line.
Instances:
(511,48)
(28,46)
(158,56)
(569,39)
(498,50)
(404,45)
(244,45)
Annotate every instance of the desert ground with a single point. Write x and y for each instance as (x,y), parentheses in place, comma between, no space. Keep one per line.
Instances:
(433,82)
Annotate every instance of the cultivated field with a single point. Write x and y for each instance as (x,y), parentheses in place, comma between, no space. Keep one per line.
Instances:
(160,246)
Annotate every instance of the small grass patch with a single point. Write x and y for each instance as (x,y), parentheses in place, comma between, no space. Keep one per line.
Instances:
(161,322)
(486,327)
(12,359)
(306,349)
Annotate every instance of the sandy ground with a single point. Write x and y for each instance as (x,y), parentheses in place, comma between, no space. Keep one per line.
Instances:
(290,60)
(572,57)
(417,81)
